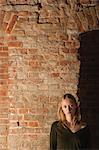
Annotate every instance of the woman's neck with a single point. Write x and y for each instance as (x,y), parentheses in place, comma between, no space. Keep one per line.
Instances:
(69,119)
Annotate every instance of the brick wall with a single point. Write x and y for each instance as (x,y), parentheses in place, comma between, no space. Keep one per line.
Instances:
(38,64)
(4,99)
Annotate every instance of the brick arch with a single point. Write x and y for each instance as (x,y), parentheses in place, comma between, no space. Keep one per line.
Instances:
(87,18)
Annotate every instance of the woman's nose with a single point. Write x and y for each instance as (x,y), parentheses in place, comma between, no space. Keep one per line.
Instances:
(68,109)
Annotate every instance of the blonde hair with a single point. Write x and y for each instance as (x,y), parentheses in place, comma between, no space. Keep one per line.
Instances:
(60,113)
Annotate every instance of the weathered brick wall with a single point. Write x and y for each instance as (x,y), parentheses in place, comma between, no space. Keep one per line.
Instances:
(38,64)
(4,100)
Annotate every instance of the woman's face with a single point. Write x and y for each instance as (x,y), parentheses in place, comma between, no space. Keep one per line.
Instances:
(69,107)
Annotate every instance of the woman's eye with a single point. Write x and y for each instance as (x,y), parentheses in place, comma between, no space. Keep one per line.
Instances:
(65,106)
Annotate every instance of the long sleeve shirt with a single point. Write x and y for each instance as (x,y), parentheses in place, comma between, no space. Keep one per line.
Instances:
(62,138)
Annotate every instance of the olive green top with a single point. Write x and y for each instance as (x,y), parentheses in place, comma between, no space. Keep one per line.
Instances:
(62,138)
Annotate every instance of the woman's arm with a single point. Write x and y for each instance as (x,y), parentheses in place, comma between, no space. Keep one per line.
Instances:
(53,137)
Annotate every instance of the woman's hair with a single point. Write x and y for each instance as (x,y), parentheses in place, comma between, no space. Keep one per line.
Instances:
(60,113)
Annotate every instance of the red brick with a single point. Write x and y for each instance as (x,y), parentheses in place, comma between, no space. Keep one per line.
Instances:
(4,99)
(23,1)
(65,50)
(1,38)
(14,117)
(33,111)
(3,54)
(4,26)
(4,121)
(63,37)
(13,124)
(55,74)
(33,131)
(37,57)
(2,116)
(24,13)
(78,22)
(27,117)
(34,124)
(11,38)
(4,61)
(83,21)
(5,48)
(3,92)
(15,44)
(2,1)
(72,50)
(11,24)
(63,63)
(22,123)
(31,136)
(3,130)
(85,1)
(23,50)
(13,131)
(34,63)
(13,111)
(4,65)
(3,82)
(45,110)
(1,48)
(2,13)
(1,44)
(23,111)
(4,111)
(32,51)
(4,104)
(7,16)
(4,76)
(10,81)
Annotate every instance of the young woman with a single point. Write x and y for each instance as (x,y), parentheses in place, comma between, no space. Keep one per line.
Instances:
(69,132)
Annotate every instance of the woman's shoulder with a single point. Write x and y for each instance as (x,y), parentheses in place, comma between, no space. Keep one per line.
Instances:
(54,124)
(83,124)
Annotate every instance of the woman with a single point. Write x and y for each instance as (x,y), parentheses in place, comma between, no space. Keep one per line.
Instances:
(70,132)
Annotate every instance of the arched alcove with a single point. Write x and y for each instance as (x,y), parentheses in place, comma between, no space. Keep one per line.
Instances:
(88,88)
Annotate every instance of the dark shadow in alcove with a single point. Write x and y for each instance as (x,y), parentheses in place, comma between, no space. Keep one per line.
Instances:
(88,87)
